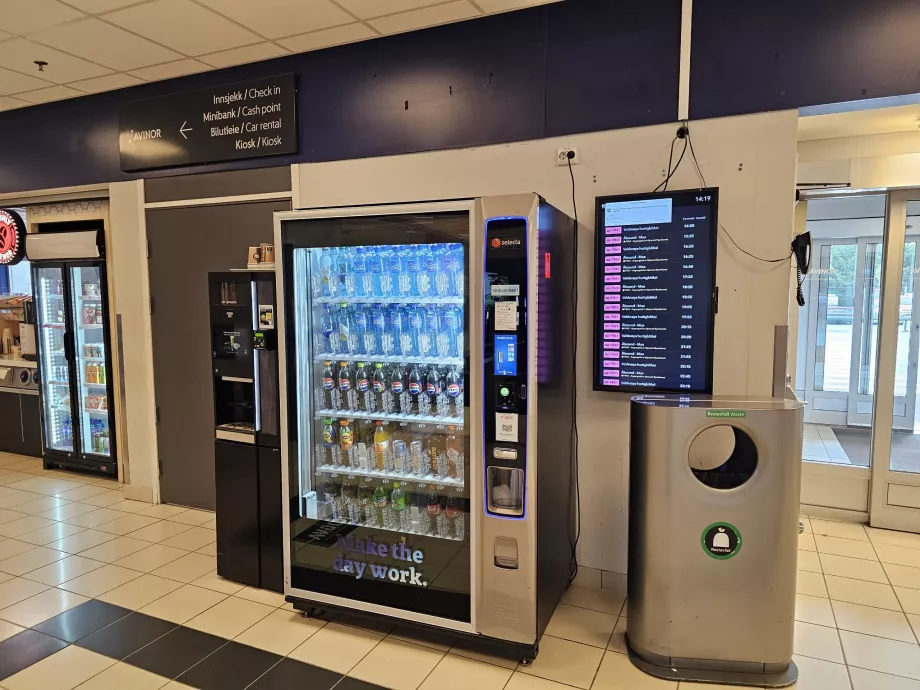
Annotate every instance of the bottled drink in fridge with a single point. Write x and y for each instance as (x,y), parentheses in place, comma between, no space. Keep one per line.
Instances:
(327,286)
(329,328)
(416,328)
(434,505)
(436,459)
(344,328)
(378,328)
(398,497)
(454,388)
(360,313)
(394,266)
(415,268)
(385,253)
(381,446)
(454,450)
(415,387)
(330,439)
(346,439)
(333,497)
(382,505)
(346,379)
(424,274)
(454,514)
(398,387)
(433,383)
(440,279)
(450,320)
(453,266)
(406,278)
(379,385)
(343,272)
(362,385)
(402,335)
(359,270)
(374,270)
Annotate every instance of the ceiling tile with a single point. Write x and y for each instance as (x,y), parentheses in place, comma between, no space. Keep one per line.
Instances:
(506,5)
(106,44)
(239,56)
(14,82)
(10,103)
(184,26)
(23,16)
(110,82)
(366,9)
(20,55)
(276,18)
(169,70)
(52,93)
(328,37)
(428,16)
(97,6)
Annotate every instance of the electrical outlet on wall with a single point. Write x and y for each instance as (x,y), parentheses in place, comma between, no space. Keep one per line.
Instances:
(563,156)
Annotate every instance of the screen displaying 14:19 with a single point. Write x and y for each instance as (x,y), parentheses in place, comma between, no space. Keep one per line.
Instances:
(655,286)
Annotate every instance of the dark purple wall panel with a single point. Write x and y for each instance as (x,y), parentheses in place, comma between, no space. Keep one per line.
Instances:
(607,64)
(752,57)
(611,66)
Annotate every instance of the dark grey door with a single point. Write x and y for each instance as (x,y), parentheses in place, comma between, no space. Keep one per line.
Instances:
(186,244)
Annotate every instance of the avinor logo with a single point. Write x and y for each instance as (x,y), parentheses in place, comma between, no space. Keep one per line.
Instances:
(498,243)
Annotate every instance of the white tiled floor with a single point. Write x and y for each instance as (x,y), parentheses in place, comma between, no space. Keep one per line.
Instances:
(820,444)
(858,603)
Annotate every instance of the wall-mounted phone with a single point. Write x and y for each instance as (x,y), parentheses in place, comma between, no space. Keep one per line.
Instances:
(801,250)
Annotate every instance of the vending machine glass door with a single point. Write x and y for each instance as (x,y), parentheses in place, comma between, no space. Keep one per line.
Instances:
(377,358)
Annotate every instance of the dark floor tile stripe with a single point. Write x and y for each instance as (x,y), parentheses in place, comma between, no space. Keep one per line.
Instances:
(354,684)
(290,673)
(127,636)
(24,649)
(176,652)
(232,667)
(80,621)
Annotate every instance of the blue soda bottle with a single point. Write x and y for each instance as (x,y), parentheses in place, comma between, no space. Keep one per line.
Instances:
(374,269)
(359,270)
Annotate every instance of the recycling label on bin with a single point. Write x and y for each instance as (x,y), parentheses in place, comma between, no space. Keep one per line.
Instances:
(721,540)
(730,414)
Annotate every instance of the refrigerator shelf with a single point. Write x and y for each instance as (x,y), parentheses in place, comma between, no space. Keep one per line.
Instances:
(386,359)
(90,326)
(395,476)
(58,383)
(89,410)
(357,414)
(389,300)
(55,326)
(430,535)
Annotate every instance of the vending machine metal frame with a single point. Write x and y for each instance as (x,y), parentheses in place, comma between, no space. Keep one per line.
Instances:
(510,603)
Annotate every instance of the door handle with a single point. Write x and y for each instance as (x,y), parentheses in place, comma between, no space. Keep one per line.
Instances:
(68,347)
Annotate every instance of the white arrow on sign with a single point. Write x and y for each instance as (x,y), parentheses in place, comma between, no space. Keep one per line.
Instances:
(183,129)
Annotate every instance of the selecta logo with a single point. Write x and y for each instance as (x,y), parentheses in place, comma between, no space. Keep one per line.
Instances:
(12,238)
(498,243)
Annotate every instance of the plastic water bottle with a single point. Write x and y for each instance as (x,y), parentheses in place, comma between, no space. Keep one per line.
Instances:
(342,259)
(450,318)
(378,330)
(453,265)
(440,279)
(345,332)
(374,270)
(423,279)
(361,323)
(325,273)
(414,267)
(386,252)
(406,278)
(328,327)
(393,269)
(416,328)
(359,270)
(400,330)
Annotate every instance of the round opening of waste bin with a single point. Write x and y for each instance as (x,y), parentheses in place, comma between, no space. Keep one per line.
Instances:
(722,457)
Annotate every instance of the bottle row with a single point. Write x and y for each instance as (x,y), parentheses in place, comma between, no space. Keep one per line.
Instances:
(367,446)
(393,390)
(393,506)
(413,330)
(420,270)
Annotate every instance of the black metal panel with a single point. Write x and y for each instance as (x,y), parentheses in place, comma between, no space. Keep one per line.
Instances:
(611,64)
(30,410)
(271,521)
(236,472)
(10,429)
(759,56)
(227,183)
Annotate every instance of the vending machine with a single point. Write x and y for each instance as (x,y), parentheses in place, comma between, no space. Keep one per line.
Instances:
(426,355)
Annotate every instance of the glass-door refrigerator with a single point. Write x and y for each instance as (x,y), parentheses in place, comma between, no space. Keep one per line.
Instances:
(391,395)
(73,337)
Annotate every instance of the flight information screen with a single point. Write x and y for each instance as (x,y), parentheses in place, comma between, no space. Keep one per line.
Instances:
(654,308)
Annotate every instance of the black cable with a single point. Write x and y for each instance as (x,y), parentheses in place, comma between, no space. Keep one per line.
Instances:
(671,171)
(727,233)
(573,435)
(670,161)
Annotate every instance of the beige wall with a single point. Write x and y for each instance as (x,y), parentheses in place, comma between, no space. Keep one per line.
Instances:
(865,162)
(752,159)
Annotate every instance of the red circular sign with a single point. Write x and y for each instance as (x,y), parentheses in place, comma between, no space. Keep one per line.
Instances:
(496,243)
(12,238)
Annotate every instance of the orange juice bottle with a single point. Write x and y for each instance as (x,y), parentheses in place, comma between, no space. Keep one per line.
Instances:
(381,445)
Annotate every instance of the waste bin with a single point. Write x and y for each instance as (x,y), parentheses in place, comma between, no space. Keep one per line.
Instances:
(713,537)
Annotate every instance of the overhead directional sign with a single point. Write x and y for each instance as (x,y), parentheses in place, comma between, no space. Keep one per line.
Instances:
(230,122)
